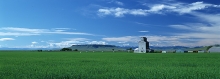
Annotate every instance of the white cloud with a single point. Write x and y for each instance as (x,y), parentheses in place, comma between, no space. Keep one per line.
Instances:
(211,18)
(119,3)
(116,2)
(106,11)
(143,31)
(34,42)
(199,35)
(15,31)
(156,38)
(121,39)
(181,27)
(209,29)
(181,8)
(138,12)
(187,8)
(67,42)
(120,12)
(59,30)
(97,42)
(62,28)
(16,34)
(140,23)
(77,39)
(70,33)
(158,7)
(23,29)
(143,24)
(6,39)
(198,27)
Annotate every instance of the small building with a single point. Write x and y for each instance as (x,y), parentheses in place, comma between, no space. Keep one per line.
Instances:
(168,51)
(201,51)
(190,51)
(164,51)
(179,51)
(214,50)
(136,50)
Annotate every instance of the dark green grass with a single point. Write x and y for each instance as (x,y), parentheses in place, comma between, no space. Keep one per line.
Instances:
(75,65)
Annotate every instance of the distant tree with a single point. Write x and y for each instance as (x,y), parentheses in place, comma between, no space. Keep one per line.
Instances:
(66,49)
(151,51)
(39,50)
(130,50)
(208,48)
(75,50)
(113,50)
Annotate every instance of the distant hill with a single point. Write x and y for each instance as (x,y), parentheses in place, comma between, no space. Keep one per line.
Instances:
(169,47)
(96,47)
(202,48)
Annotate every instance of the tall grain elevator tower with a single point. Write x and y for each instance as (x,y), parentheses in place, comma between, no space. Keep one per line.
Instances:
(143,46)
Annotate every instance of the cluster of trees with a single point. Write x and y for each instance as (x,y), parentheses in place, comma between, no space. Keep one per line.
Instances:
(39,50)
(68,49)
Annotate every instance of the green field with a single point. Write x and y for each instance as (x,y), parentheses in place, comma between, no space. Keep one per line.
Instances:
(108,65)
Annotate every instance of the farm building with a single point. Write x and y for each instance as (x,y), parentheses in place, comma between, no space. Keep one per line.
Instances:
(190,51)
(143,46)
(164,51)
(214,50)
(194,51)
(179,51)
(96,47)
(168,51)
(201,51)
(136,50)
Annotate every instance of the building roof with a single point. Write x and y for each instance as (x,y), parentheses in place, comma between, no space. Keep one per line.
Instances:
(214,50)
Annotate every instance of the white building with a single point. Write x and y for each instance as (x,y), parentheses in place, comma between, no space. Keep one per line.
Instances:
(164,51)
(136,50)
(214,50)
(143,46)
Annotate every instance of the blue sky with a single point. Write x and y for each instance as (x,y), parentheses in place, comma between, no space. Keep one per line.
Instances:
(62,23)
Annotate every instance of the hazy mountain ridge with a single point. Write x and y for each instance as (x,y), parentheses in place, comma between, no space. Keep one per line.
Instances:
(96,47)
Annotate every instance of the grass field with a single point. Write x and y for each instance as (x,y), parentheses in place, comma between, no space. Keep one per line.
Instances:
(108,65)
